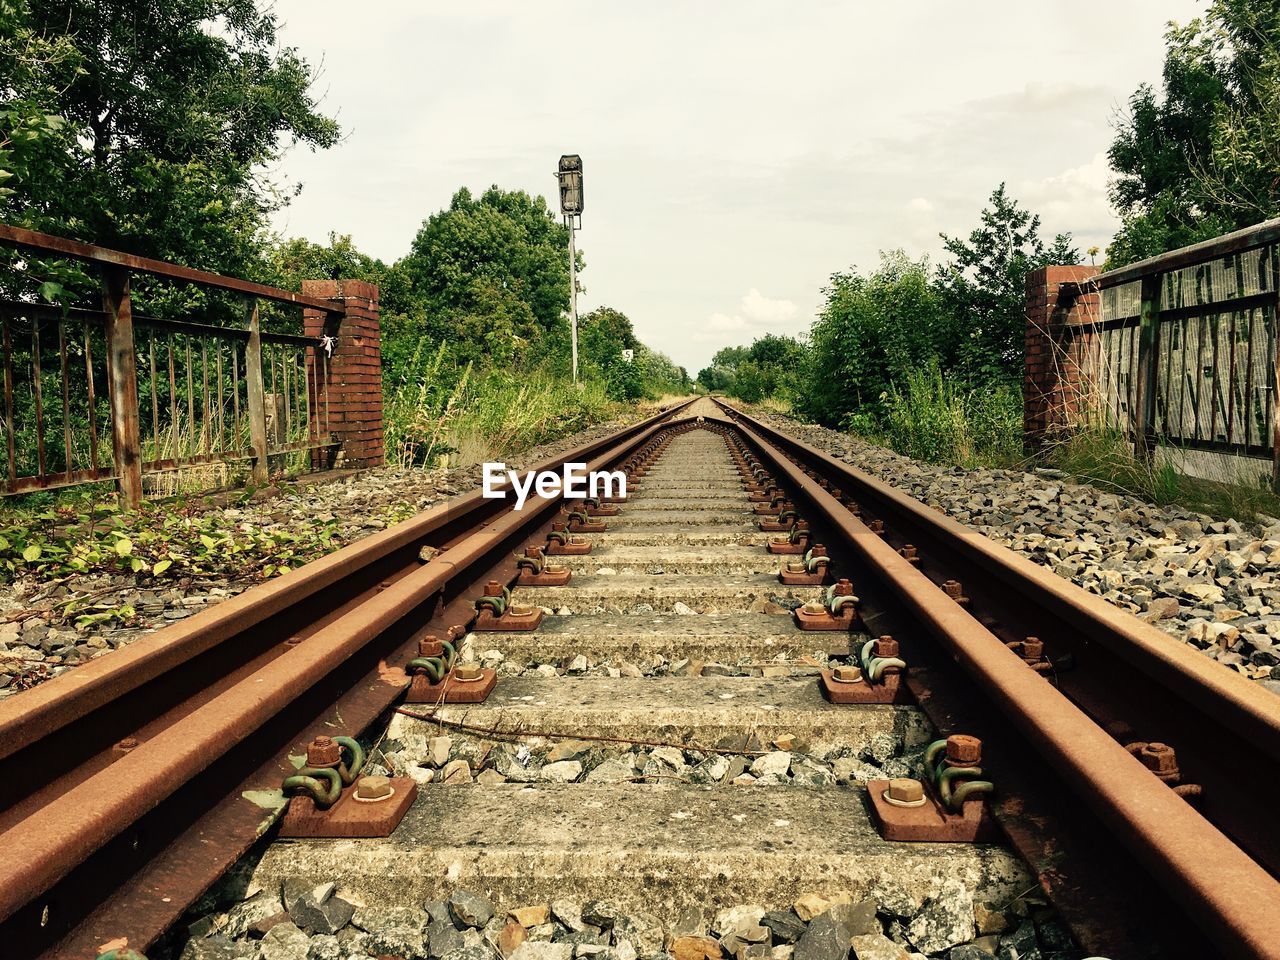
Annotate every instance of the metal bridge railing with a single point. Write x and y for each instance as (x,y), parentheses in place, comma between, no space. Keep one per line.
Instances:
(93,395)
(1184,349)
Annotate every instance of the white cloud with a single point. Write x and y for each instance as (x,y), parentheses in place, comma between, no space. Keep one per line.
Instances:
(756,315)
(919,205)
(1073,201)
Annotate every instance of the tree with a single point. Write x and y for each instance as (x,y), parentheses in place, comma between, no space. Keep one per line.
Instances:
(1202,157)
(871,331)
(491,274)
(160,120)
(984,287)
(716,379)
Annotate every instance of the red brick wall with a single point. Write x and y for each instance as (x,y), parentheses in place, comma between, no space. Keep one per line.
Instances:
(354,384)
(1054,385)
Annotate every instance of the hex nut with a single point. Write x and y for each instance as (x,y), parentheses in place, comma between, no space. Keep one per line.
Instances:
(373,788)
(885,646)
(847,674)
(963,750)
(905,792)
(467,672)
(324,752)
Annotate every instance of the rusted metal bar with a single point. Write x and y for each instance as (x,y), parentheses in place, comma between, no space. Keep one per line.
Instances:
(288,398)
(1275,381)
(173,399)
(255,392)
(206,418)
(221,408)
(155,393)
(308,373)
(66,398)
(191,400)
(92,399)
(9,430)
(155,323)
(1239,241)
(37,391)
(1148,361)
(235,396)
(116,259)
(61,478)
(126,445)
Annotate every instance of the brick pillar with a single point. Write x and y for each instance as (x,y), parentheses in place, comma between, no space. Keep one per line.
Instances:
(1053,384)
(353,387)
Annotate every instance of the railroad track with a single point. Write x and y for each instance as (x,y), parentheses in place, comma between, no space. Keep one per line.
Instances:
(132,783)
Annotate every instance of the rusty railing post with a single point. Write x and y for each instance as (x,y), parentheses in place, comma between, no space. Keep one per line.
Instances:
(1144,413)
(257,398)
(1275,375)
(123,379)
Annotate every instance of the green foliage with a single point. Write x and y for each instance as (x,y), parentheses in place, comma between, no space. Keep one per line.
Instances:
(872,331)
(444,410)
(165,541)
(157,126)
(937,419)
(1199,158)
(984,288)
(490,275)
(769,368)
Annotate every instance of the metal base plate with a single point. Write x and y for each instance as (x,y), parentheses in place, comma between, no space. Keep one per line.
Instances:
(802,579)
(891,691)
(788,549)
(452,690)
(930,823)
(350,817)
(824,620)
(568,549)
(510,622)
(547,578)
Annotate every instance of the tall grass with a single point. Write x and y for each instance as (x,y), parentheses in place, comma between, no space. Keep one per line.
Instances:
(441,414)
(1102,455)
(940,421)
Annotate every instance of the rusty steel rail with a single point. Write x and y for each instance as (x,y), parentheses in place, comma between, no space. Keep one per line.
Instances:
(1120,680)
(132,783)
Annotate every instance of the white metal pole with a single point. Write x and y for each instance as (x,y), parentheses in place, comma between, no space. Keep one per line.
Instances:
(573,297)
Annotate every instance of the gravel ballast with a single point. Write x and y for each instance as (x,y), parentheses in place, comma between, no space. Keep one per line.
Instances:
(1214,584)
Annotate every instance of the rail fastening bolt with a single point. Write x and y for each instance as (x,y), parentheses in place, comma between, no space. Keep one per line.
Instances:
(847,674)
(1032,648)
(127,744)
(1159,758)
(885,646)
(323,752)
(963,750)
(430,646)
(905,791)
(373,788)
(467,672)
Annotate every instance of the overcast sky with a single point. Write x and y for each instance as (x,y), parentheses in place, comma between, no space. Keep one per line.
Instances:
(735,153)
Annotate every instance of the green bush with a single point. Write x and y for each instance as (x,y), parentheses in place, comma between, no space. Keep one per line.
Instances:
(442,411)
(933,419)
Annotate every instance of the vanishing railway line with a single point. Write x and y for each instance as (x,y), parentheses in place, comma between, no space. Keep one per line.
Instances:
(1086,752)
